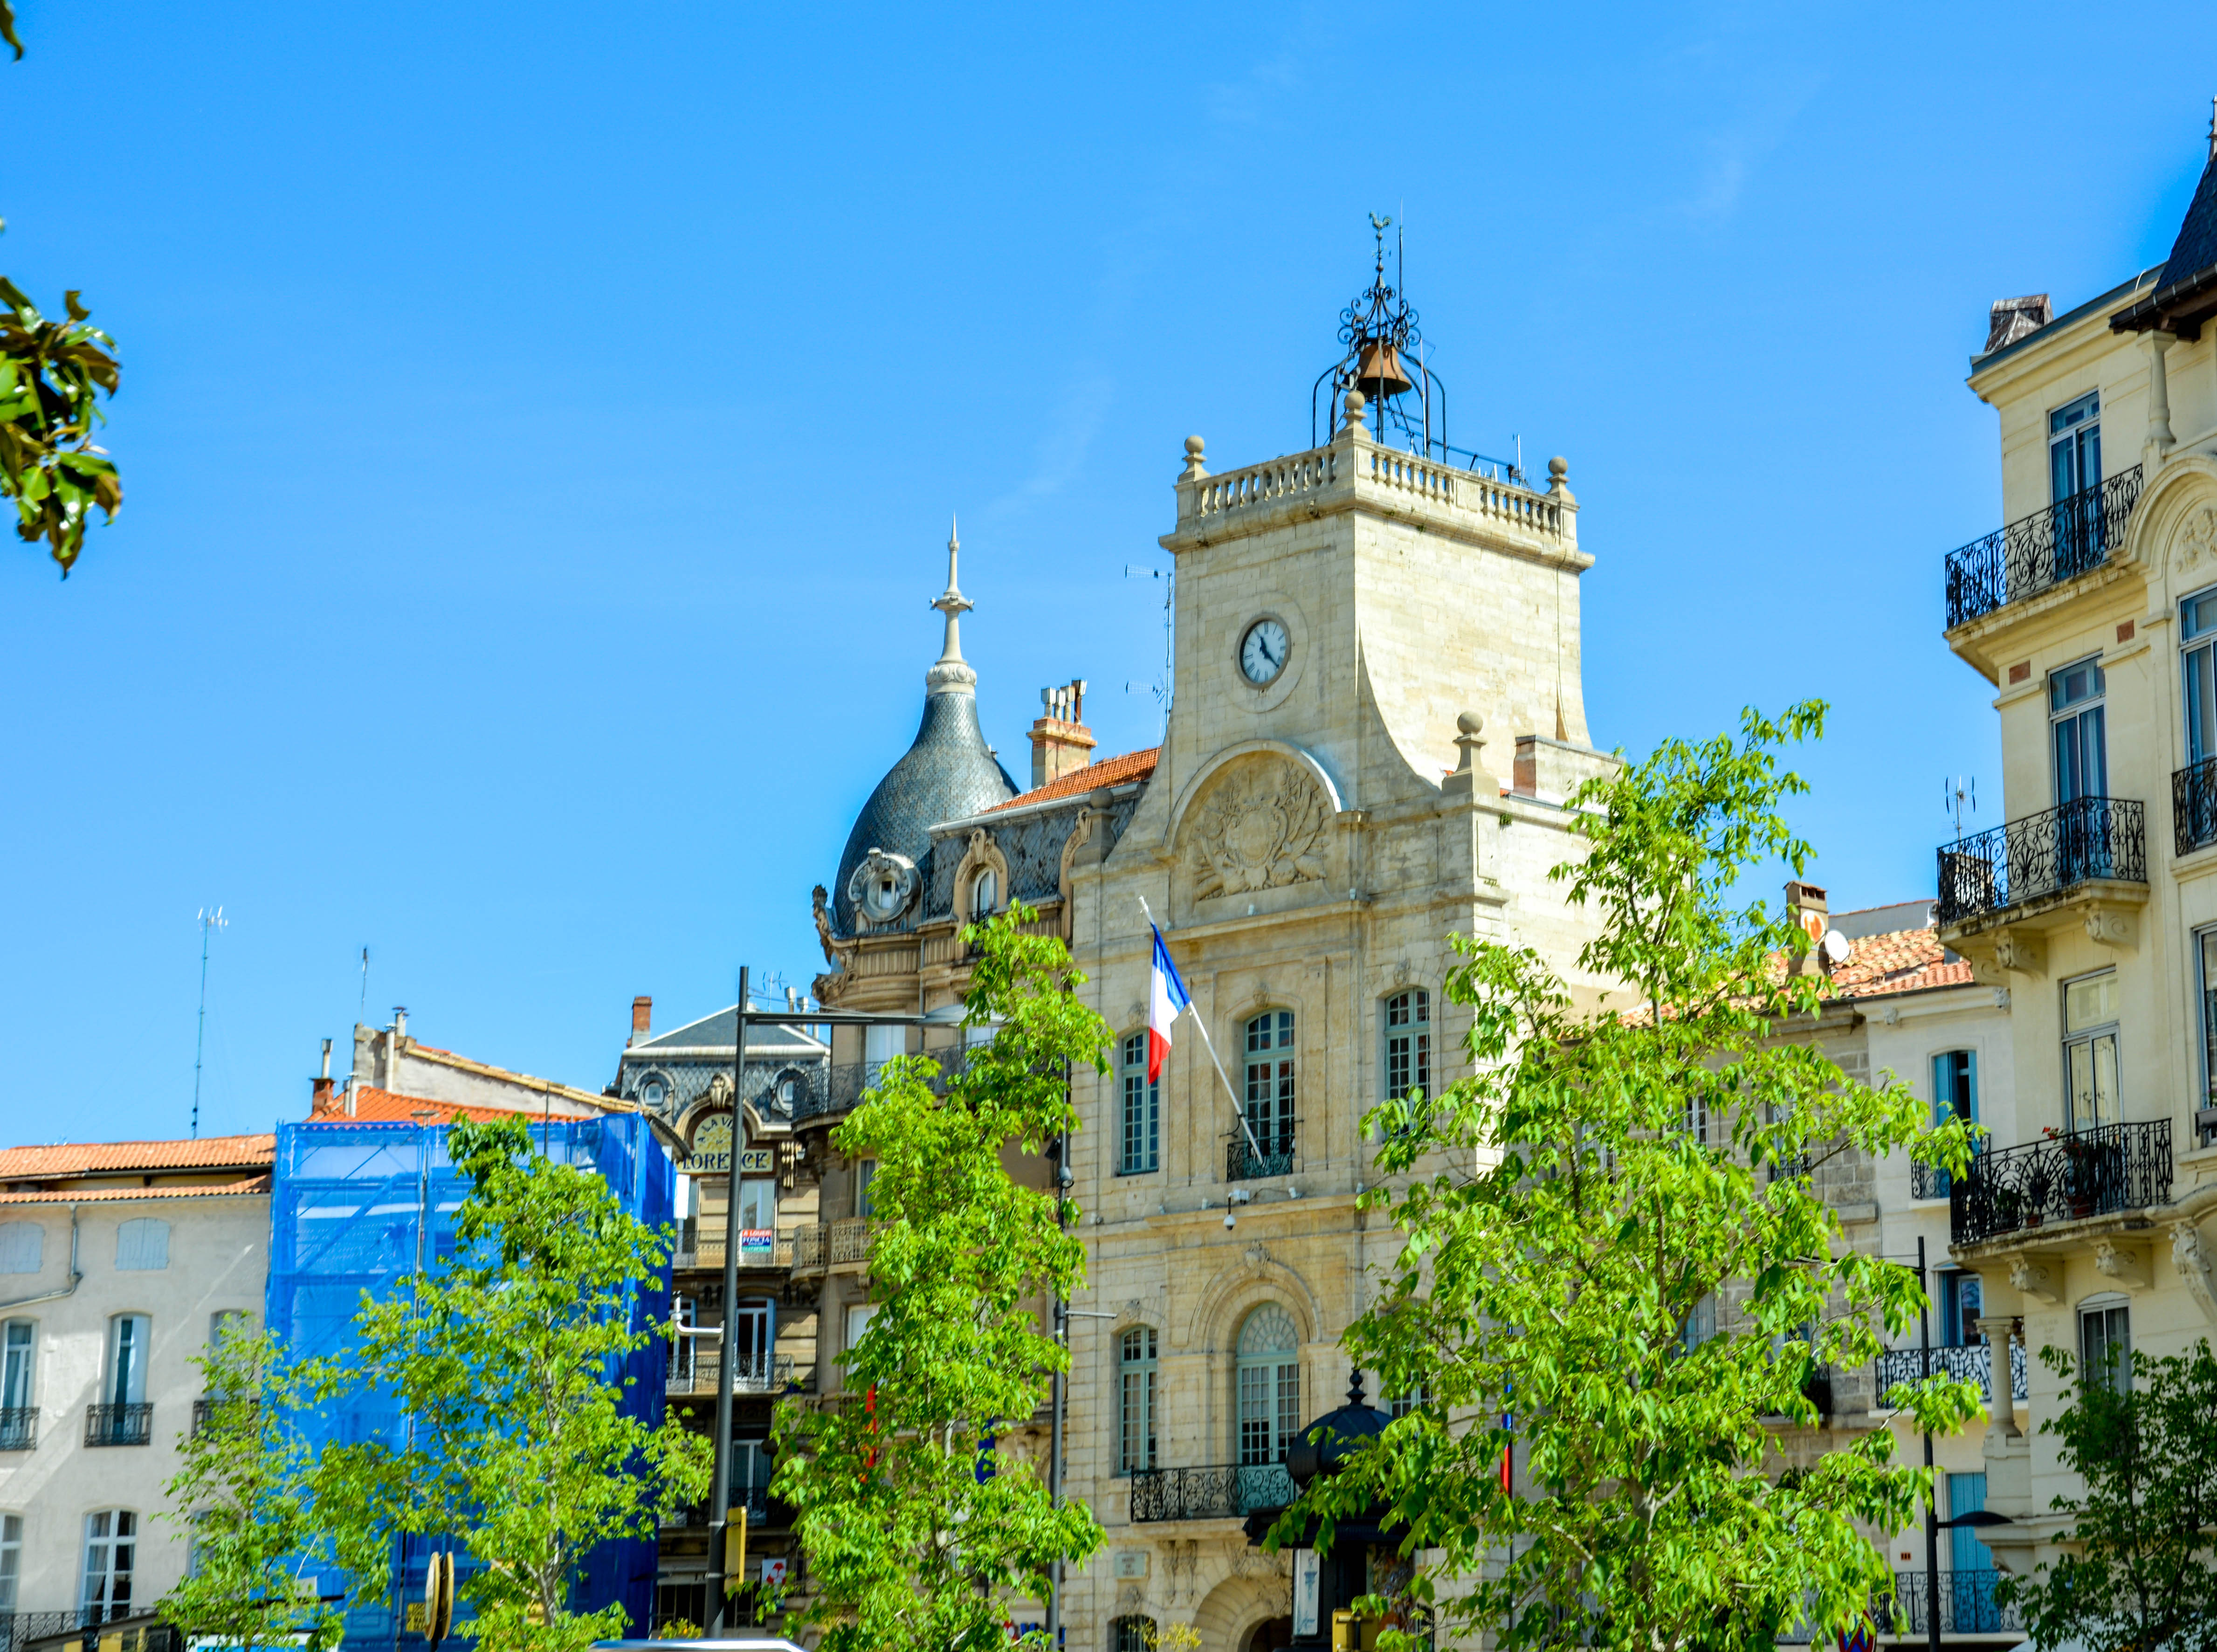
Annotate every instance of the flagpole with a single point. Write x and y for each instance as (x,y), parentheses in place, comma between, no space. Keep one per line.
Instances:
(1207,1044)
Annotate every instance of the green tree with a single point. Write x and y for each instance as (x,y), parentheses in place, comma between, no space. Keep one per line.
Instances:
(1612,1255)
(2147,1572)
(51,374)
(242,1495)
(919,1531)
(521,1454)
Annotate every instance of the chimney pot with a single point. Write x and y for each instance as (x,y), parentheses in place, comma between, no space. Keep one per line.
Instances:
(400,1023)
(1061,743)
(1812,913)
(327,1061)
(642,1019)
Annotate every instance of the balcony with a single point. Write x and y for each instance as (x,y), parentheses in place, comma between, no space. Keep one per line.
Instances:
(695,1371)
(1243,1163)
(118,1424)
(2064,1178)
(1972,1363)
(836,1089)
(2039,552)
(832,1244)
(1230,1492)
(2089,839)
(2194,806)
(756,1500)
(1967,1605)
(19,1428)
(703,1253)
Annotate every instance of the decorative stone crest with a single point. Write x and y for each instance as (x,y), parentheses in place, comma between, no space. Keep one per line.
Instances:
(2195,541)
(1261,827)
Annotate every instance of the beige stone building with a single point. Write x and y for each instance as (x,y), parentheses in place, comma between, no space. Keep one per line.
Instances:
(2089,1220)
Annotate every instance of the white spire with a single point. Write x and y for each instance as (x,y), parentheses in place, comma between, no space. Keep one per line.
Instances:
(952,674)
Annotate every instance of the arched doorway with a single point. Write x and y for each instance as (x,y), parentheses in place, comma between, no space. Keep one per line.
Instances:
(1270,1634)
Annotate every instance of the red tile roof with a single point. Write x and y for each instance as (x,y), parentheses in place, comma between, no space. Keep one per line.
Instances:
(373,1106)
(1109,771)
(1905,960)
(105,1158)
(105,1195)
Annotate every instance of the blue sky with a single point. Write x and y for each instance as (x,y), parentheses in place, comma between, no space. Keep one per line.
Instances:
(540,424)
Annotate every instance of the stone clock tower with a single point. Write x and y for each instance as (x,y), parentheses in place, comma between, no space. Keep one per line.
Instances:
(1377,716)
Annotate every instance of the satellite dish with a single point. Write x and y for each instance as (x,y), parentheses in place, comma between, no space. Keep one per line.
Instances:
(1836,948)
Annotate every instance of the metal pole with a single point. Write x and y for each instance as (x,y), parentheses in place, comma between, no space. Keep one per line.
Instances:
(1931,1497)
(1062,1181)
(720,1494)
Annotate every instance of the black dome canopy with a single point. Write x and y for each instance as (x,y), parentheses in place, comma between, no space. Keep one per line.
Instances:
(947,772)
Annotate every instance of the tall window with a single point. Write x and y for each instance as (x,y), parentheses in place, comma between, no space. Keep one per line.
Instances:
(2074,708)
(1954,1095)
(1135,1383)
(1270,1081)
(2197,637)
(2089,1050)
(1966,1494)
(1141,1148)
(2205,948)
(18,1355)
(11,1560)
(866,1171)
(1408,1043)
(881,1044)
(984,895)
(1269,1386)
(2105,1344)
(130,1340)
(111,1545)
(2074,449)
(1961,1301)
(754,1342)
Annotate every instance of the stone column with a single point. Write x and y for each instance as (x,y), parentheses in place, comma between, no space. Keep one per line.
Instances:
(2158,426)
(2001,1404)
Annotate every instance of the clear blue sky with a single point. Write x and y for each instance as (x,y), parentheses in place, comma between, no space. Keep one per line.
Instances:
(541,425)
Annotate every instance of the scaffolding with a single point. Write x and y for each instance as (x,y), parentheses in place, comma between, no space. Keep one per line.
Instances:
(359,1207)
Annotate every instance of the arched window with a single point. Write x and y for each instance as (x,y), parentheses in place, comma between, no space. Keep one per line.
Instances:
(1133,1635)
(984,895)
(111,1546)
(1270,1385)
(142,1242)
(1136,1386)
(1269,1064)
(1140,1148)
(1408,1043)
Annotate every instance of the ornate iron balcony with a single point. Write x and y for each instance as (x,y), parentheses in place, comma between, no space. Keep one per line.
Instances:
(118,1424)
(2042,549)
(1243,1163)
(846,1240)
(2194,806)
(1230,1491)
(19,1428)
(2043,854)
(2062,1178)
(1967,1606)
(697,1374)
(1971,1364)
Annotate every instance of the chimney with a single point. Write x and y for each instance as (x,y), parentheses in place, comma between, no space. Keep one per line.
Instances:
(399,1026)
(1061,743)
(1812,915)
(642,1019)
(319,1095)
(2011,319)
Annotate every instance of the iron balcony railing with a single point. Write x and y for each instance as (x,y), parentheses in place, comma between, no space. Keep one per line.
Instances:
(695,1371)
(2062,1178)
(21,1629)
(846,1240)
(756,1500)
(2042,549)
(19,1428)
(1967,1606)
(1973,1363)
(2194,806)
(2043,854)
(1230,1491)
(1243,1163)
(118,1425)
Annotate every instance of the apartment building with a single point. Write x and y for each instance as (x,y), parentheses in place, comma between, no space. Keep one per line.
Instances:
(2093,613)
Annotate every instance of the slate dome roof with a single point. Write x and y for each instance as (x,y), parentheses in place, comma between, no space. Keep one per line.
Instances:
(948,772)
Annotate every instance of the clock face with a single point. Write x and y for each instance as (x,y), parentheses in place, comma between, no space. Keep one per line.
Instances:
(1263,651)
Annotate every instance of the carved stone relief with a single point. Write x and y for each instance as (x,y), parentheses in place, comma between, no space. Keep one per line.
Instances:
(2195,541)
(1262,826)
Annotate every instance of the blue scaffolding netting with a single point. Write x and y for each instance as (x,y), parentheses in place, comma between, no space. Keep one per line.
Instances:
(360,1207)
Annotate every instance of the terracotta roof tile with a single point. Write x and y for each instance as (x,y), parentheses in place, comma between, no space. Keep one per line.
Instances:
(98,1158)
(376,1107)
(1905,960)
(110,1195)
(1109,771)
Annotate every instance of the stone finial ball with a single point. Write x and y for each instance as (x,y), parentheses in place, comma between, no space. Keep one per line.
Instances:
(1470,722)
(1193,446)
(1356,401)
(1558,467)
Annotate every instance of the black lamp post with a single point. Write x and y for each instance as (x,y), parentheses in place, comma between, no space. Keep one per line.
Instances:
(1329,1581)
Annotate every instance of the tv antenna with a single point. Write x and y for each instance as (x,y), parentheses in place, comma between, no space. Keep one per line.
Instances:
(1959,797)
(1160,690)
(210,918)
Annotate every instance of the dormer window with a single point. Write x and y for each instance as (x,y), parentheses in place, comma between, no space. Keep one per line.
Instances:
(985,893)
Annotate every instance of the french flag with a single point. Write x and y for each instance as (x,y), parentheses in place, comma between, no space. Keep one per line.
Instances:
(1166,1001)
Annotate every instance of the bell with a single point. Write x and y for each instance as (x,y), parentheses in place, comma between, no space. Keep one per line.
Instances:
(1379,370)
